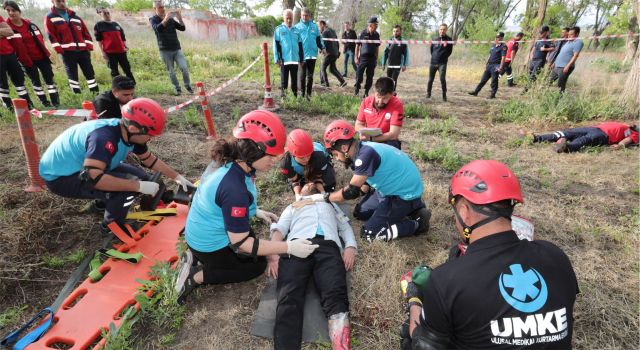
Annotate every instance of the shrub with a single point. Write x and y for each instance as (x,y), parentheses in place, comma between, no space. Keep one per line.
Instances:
(133,5)
(442,127)
(416,110)
(444,154)
(331,104)
(548,105)
(266,25)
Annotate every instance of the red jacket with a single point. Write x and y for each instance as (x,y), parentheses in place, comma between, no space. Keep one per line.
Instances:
(67,36)
(617,132)
(111,35)
(5,45)
(28,43)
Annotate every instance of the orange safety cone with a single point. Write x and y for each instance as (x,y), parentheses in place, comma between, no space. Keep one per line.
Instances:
(267,104)
(29,144)
(204,103)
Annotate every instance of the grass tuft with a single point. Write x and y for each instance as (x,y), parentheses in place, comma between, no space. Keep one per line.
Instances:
(444,154)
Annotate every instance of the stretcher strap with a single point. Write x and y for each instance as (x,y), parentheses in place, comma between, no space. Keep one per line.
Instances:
(32,336)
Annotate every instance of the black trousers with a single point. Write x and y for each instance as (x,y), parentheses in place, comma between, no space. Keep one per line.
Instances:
(558,74)
(224,266)
(326,268)
(386,214)
(72,187)
(534,69)
(393,73)
(330,62)
(286,71)
(367,64)
(9,65)
(577,138)
(509,72)
(43,66)
(490,72)
(73,59)
(306,76)
(442,69)
(121,59)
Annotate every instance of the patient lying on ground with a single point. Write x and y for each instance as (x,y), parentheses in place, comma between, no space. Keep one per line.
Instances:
(326,225)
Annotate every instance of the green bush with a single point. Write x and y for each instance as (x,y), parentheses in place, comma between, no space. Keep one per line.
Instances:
(444,154)
(548,105)
(331,104)
(611,66)
(133,5)
(266,25)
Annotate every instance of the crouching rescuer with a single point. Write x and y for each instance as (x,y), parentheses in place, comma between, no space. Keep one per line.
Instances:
(86,161)
(503,293)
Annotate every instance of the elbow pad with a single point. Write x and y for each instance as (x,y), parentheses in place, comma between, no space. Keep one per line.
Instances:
(235,247)
(424,339)
(351,192)
(86,177)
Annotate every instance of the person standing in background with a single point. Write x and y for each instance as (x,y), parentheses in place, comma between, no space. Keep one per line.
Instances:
(110,36)
(331,56)
(441,49)
(349,48)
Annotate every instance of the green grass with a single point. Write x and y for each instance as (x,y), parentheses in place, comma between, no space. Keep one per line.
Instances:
(548,105)
(443,154)
(418,111)
(12,315)
(611,66)
(444,127)
(331,104)
(54,262)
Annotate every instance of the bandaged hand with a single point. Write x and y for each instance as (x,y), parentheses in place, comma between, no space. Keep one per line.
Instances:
(300,248)
(267,217)
(182,181)
(148,187)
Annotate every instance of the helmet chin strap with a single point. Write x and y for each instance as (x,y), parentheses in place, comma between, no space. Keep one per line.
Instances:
(492,215)
(130,134)
(348,159)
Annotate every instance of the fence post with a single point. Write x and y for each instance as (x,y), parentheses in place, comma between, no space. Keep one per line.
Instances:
(204,103)
(89,106)
(267,104)
(29,144)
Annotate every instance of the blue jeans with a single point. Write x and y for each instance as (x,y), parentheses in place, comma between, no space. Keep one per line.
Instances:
(348,57)
(171,57)
(387,213)
(116,202)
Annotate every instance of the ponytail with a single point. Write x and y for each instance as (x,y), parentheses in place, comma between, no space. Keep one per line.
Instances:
(232,149)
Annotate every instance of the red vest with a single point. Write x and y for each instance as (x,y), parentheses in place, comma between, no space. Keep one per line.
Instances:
(5,45)
(28,42)
(67,36)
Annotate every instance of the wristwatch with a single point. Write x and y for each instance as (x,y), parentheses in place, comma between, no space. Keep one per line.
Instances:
(326,197)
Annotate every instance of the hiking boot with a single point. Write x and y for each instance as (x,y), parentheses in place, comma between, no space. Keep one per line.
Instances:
(96,206)
(511,84)
(444,96)
(183,268)
(343,84)
(473,93)
(428,94)
(492,96)
(188,88)
(188,286)
(560,145)
(356,93)
(177,92)
(422,216)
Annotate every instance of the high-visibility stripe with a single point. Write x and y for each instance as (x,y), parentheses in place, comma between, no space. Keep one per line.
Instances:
(75,20)
(55,44)
(56,19)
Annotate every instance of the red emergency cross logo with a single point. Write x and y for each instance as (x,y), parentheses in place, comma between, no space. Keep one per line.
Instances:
(238,212)
(110,147)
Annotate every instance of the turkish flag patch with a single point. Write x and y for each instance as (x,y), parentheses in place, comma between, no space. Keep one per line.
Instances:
(238,212)
(110,147)
(284,171)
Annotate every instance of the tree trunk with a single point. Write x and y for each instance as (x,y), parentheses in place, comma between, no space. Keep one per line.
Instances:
(542,11)
(632,41)
(632,86)
(289,4)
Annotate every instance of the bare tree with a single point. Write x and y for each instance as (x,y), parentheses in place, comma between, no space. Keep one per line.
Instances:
(632,41)
(542,11)
(461,12)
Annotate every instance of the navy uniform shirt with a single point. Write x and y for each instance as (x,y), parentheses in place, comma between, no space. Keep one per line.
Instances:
(99,139)
(503,293)
(369,50)
(496,53)
(538,54)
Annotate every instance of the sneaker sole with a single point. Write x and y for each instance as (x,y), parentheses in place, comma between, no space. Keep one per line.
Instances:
(184,268)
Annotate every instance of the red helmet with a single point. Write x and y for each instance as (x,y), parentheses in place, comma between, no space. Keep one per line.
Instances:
(145,114)
(338,130)
(265,129)
(486,181)
(299,143)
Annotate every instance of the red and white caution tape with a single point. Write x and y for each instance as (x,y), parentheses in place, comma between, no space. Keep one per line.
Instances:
(216,90)
(63,112)
(86,113)
(463,41)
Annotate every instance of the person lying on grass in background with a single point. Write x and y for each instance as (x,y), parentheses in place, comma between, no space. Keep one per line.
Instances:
(87,160)
(218,230)
(383,111)
(305,162)
(392,205)
(325,225)
(617,135)
(504,292)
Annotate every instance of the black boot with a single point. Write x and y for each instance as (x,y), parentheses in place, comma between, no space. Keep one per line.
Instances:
(444,96)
